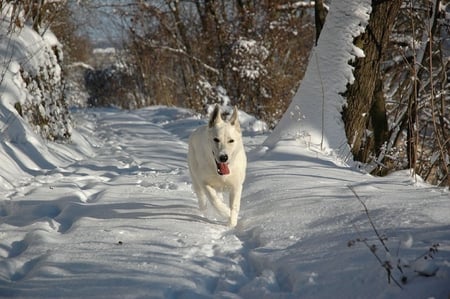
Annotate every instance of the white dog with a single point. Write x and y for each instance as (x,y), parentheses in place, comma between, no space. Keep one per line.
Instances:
(217,163)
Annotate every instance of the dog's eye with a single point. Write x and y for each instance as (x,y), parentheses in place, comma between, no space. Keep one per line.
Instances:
(216,140)
(231,141)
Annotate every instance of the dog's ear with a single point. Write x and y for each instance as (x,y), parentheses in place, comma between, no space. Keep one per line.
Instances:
(215,116)
(234,120)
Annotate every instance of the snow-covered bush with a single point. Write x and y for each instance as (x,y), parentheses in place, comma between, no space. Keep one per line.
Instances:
(248,58)
(112,85)
(211,94)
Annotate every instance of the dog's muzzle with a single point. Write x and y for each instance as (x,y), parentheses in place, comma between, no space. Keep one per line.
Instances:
(222,166)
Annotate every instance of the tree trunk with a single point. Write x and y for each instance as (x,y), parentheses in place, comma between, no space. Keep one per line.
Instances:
(360,95)
(378,118)
(320,14)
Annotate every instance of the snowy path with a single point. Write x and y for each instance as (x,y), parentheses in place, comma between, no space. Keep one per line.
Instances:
(124,223)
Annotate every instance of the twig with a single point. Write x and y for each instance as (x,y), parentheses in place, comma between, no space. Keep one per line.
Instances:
(385,264)
(368,217)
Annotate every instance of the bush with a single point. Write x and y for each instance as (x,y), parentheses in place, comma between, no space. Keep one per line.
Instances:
(113,85)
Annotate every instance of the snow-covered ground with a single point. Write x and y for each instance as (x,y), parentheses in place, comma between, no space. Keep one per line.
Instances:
(112,214)
(114,217)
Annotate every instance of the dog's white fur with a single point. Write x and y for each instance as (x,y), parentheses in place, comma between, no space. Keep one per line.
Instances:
(207,146)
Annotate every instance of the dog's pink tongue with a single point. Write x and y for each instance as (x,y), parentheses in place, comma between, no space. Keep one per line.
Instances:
(223,168)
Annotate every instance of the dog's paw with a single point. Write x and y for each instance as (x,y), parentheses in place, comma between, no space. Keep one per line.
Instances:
(202,205)
(232,222)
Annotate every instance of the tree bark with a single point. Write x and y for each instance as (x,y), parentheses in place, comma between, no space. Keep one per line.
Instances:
(360,95)
(320,14)
(378,118)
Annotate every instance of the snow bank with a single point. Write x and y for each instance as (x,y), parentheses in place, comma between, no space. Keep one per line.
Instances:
(32,106)
(314,115)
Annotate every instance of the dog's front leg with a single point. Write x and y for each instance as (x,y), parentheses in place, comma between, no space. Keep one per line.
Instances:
(202,202)
(201,196)
(217,203)
(235,204)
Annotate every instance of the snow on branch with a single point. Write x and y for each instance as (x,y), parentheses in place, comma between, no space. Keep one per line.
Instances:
(248,57)
(296,5)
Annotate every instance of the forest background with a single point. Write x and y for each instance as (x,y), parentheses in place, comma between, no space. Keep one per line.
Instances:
(253,54)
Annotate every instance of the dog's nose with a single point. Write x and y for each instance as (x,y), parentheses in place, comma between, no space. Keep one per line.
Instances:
(223,158)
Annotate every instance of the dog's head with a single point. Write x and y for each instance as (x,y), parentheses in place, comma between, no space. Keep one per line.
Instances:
(224,138)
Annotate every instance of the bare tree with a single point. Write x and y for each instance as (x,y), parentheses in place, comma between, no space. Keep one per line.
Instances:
(395,117)
(360,95)
(193,53)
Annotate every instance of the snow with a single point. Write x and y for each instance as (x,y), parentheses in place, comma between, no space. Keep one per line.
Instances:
(247,59)
(121,221)
(314,114)
(112,214)
(105,51)
(30,76)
